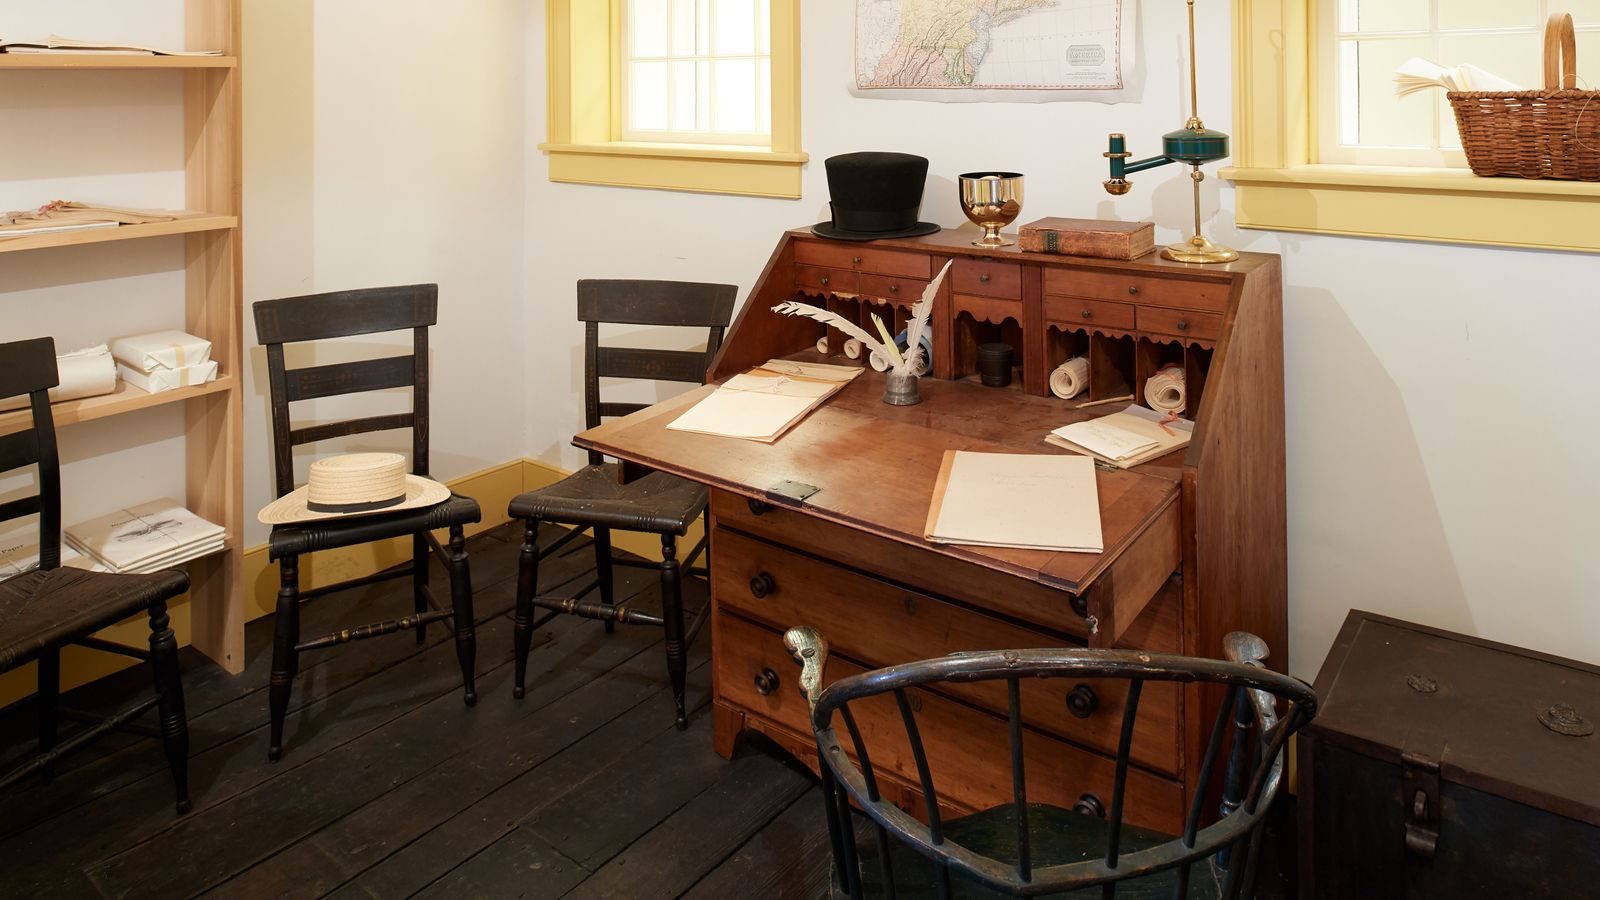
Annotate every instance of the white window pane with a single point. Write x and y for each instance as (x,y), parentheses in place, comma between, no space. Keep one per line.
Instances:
(764,26)
(647,25)
(703,20)
(685,96)
(1514,57)
(1384,15)
(1584,12)
(647,97)
(1384,119)
(1455,14)
(735,27)
(1589,62)
(733,99)
(684,25)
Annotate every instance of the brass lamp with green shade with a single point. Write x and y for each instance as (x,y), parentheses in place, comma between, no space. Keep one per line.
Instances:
(1194,145)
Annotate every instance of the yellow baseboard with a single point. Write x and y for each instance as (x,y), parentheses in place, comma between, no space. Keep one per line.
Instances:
(493,488)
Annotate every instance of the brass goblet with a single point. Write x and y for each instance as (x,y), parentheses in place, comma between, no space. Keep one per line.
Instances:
(991,200)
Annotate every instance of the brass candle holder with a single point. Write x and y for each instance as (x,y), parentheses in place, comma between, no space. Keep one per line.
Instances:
(991,200)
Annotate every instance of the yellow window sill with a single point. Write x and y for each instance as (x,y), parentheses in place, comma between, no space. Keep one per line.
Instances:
(706,168)
(1449,205)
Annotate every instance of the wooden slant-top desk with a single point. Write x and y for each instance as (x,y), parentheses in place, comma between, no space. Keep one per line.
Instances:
(1194,541)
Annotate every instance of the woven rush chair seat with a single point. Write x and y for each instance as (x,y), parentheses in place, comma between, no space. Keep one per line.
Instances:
(45,608)
(595,494)
(288,540)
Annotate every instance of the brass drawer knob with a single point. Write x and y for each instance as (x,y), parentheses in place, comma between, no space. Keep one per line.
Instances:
(1183,324)
(824,279)
(1090,805)
(855,260)
(1133,290)
(894,288)
(766,681)
(1082,701)
(1088,314)
(762,585)
(984,278)
(759,507)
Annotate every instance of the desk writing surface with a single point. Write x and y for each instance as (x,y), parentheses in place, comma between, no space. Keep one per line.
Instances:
(876,465)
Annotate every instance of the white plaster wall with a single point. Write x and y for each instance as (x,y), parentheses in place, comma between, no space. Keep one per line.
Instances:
(1438,396)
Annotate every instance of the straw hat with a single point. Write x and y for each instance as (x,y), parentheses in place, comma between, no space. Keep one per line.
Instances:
(356,484)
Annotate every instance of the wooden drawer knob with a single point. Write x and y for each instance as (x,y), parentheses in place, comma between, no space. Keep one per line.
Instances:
(1082,701)
(1088,314)
(984,278)
(824,280)
(894,288)
(1090,805)
(766,681)
(1133,290)
(1080,605)
(1183,324)
(762,585)
(759,507)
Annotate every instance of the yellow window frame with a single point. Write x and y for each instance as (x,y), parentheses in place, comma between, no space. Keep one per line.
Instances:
(1281,187)
(583,43)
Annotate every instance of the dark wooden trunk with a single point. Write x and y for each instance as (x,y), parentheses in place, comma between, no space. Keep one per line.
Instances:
(1447,766)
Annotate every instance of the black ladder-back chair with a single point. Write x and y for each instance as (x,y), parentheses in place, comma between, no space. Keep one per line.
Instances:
(344,314)
(46,609)
(594,498)
(1023,849)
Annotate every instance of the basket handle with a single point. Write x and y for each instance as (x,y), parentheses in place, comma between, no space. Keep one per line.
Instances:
(1560,53)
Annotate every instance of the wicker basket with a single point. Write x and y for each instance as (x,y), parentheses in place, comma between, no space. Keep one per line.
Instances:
(1553,133)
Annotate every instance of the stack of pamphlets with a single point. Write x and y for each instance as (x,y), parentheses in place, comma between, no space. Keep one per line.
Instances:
(164,360)
(19,552)
(146,538)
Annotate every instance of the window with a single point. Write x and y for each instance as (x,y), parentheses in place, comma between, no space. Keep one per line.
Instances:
(697,71)
(691,95)
(1293,170)
(1362,42)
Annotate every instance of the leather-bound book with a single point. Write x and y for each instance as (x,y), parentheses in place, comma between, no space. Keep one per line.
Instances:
(1106,238)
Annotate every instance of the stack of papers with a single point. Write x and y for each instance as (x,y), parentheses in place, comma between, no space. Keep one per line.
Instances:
(164,360)
(1125,439)
(1417,74)
(56,44)
(1026,501)
(763,403)
(146,538)
(70,215)
(19,553)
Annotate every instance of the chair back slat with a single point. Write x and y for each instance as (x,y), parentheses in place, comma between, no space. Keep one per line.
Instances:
(29,367)
(930,797)
(1019,778)
(687,366)
(659,303)
(341,314)
(1191,823)
(314,382)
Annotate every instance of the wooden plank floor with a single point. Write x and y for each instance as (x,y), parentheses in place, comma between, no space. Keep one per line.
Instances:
(391,787)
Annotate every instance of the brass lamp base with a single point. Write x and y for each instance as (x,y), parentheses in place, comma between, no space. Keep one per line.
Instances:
(1199,249)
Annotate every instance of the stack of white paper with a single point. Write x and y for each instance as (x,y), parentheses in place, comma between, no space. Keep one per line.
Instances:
(1417,74)
(763,403)
(164,360)
(1026,501)
(19,553)
(146,538)
(1125,439)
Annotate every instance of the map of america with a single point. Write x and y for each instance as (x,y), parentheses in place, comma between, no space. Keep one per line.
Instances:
(1006,44)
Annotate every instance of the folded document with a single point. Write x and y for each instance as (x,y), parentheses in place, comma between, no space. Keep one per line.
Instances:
(763,403)
(1125,439)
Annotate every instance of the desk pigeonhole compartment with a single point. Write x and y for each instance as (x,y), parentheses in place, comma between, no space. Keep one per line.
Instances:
(1447,766)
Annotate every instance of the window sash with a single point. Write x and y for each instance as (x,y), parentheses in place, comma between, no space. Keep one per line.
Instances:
(704,62)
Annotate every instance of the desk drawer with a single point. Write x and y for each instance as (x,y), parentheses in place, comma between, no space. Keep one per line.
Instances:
(863,259)
(1072,311)
(1180,322)
(1106,285)
(968,750)
(825,281)
(918,567)
(988,278)
(888,287)
(881,624)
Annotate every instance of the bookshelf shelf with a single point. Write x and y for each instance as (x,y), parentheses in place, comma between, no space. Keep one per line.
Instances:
(191,225)
(112,61)
(124,399)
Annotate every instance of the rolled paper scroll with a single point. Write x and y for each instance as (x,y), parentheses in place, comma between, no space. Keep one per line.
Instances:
(822,345)
(1166,392)
(83,373)
(852,348)
(878,361)
(1070,379)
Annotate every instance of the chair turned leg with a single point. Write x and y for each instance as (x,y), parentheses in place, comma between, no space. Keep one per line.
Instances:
(419,582)
(285,661)
(602,568)
(46,700)
(527,583)
(169,701)
(672,618)
(461,603)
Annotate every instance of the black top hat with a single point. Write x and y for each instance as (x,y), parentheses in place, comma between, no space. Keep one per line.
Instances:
(875,195)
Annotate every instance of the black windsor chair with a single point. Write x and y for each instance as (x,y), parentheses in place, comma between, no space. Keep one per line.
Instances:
(50,607)
(1024,849)
(344,314)
(594,498)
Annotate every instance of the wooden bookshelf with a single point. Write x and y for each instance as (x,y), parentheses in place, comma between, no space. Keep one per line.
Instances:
(213,263)
(112,61)
(188,225)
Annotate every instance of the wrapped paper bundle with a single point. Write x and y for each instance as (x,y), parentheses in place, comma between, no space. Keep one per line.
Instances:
(1070,379)
(83,373)
(1166,391)
(161,350)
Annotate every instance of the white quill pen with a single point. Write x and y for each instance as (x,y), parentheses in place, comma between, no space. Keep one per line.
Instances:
(791,308)
(919,321)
